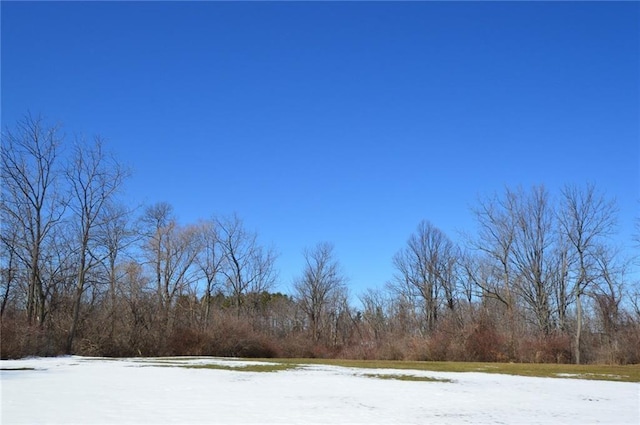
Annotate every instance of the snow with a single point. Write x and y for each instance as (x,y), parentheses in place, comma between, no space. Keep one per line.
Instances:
(80,390)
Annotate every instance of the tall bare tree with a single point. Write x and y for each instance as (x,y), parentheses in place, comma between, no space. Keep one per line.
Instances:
(171,251)
(116,235)
(496,236)
(563,297)
(321,284)
(374,314)
(425,271)
(247,266)
(493,269)
(210,261)
(532,254)
(31,202)
(586,219)
(607,293)
(94,178)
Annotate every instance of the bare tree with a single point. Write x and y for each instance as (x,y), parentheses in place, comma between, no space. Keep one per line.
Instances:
(607,293)
(116,235)
(247,266)
(210,261)
(58,269)
(171,251)
(9,267)
(140,308)
(586,219)
(563,297)
(495,217)
(341,321)
(425,270)
(496,235)
(94,178)
(375,315)
(322,282)
(30,199)
(475,273)
(531,254)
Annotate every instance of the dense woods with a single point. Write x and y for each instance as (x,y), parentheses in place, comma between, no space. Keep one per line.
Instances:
(540,280)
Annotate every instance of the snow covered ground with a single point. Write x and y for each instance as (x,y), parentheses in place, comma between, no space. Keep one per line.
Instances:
(78,390)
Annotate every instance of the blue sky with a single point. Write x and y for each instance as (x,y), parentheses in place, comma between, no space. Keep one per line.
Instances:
(340,122)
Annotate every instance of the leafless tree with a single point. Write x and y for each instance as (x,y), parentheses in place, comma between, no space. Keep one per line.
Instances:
(375,314)
(495,244)
(320,285)
(341,321)
(157,220)
(210,261)
(425,270)
(31,200)
(247,267)
(116,236)
(586,219)
(563,297)
(140,308)
(476,272)
(607,292)
(9,267)
(531,256)
(58,269)
(171,251)
(94,178)
(495,239)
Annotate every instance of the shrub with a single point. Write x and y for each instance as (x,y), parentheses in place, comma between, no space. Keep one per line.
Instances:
(19,339)
(484,343)
(554,348)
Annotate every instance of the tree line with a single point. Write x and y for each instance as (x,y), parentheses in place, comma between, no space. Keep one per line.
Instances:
(82,272)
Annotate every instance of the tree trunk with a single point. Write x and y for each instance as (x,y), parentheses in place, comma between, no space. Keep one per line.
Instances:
(578,327)
(207,310)
(33,296)
(76,305)
(113,296)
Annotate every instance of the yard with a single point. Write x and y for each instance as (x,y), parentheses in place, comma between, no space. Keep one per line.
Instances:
(67,390)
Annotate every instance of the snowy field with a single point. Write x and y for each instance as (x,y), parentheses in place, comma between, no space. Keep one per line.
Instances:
(78,390)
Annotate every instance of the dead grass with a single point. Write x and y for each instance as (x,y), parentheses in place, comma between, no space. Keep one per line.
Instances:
(406,377)
(183,363)
(627,373)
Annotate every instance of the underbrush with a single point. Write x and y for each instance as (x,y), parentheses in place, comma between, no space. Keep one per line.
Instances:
(485,339)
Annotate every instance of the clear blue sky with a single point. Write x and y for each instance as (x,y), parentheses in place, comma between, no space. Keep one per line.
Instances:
(340,122)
